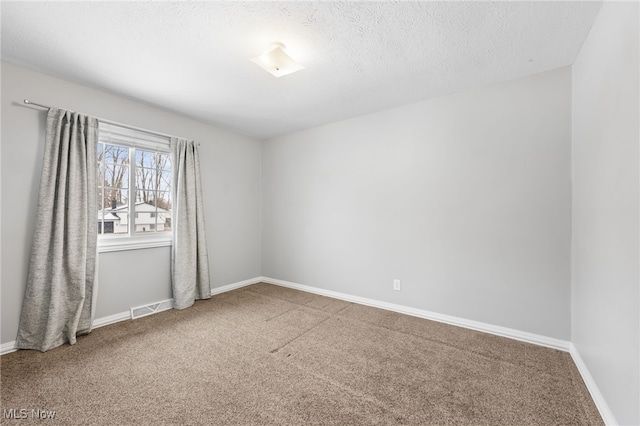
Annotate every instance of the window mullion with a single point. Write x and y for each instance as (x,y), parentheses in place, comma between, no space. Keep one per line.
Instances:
(155,189)
(132,192)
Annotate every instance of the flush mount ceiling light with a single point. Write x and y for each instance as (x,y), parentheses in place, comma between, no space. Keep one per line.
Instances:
(276,61)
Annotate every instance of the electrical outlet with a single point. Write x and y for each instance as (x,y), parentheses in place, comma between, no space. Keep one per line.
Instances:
(396,285)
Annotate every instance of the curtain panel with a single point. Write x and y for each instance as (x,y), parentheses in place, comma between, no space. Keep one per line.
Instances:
(189,256)
(58,301)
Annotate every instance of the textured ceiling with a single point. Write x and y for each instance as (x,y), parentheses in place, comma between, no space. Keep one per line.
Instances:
(360,57)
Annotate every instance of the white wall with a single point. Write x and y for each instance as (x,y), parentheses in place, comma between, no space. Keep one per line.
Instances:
(465,198)
(606,174)
(231,173)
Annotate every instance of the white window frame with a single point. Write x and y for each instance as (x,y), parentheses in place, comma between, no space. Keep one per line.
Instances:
(133,139)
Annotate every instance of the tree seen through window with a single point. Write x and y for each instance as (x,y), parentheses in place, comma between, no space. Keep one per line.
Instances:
(144,174)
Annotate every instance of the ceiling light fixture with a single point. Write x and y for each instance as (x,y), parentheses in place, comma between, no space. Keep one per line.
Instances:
(276,61)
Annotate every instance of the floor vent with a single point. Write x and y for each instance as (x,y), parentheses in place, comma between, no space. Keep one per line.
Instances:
(152,308)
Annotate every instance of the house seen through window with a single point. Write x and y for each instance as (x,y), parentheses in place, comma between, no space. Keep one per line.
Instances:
(134,183)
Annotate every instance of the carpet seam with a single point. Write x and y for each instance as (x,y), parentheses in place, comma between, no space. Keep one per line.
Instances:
(280,314)
(305,304)
(338,314)
(299,336)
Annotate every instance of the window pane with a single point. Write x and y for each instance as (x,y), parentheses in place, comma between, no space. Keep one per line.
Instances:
(151,189)
(164,161)
(114,154)
(164,180)
(119,219)
(108,227)
(145,221)
(145,196)
(146,180)
(113,198)
(112,221)
(144,158)
(164,222)
(116,176)
(163,200)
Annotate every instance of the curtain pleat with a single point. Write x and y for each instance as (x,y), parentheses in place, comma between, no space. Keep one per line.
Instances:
(57,304)
(189,256)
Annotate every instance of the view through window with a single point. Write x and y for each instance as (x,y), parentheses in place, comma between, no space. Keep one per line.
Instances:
(134,183)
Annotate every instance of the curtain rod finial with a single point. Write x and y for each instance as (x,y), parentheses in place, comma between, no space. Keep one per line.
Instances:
(29,102)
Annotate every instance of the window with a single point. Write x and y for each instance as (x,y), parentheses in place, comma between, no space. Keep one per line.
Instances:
(134,189)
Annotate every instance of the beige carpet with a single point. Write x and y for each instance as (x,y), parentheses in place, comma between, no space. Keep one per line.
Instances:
(270,355)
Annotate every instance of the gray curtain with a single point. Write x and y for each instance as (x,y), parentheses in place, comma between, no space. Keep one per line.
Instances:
(189,257)
(58,301)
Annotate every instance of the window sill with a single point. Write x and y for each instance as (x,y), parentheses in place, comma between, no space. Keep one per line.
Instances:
(121,244)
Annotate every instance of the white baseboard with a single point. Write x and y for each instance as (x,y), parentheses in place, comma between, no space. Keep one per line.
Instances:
(448,319)
(511,333)
(9,347)
(111,319)
(598,399)
(229,287)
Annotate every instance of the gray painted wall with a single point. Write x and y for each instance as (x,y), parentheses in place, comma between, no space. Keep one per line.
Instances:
(465,198)
(606,268)
(230,169)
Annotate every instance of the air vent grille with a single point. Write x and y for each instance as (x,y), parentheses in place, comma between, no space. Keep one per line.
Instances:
(152,308)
